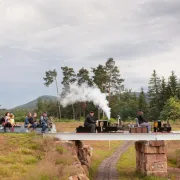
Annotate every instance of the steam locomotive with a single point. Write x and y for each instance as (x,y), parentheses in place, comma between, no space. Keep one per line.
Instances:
(104,126)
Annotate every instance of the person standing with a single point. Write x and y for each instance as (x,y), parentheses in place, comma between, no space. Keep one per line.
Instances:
(90,122)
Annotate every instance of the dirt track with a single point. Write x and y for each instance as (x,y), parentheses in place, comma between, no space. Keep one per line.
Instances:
(107,170)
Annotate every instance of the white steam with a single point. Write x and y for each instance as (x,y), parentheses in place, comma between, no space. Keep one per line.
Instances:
(85,93)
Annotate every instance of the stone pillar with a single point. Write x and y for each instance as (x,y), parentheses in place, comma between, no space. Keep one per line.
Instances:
(151,158)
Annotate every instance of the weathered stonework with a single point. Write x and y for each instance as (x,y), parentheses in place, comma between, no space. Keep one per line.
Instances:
(83,153)
(151,158)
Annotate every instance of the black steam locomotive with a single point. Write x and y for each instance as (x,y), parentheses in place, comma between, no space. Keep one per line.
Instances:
(102,126)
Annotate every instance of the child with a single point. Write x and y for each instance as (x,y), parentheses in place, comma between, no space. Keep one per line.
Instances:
(12,121)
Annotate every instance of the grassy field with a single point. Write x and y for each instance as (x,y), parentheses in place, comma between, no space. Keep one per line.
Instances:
(68,126)
(31,157)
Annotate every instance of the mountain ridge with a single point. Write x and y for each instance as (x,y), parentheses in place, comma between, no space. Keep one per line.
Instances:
(32,104)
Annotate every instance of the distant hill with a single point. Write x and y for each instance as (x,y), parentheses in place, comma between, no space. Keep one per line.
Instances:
(33,104)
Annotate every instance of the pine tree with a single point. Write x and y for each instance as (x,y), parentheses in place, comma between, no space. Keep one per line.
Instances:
(100,77)
(178,89)
(69,77)
(142,104)
(173,84)
(162,95)
(83,76)
(154,89)
(114,80)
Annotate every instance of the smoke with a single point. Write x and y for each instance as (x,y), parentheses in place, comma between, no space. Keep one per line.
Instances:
(85,93)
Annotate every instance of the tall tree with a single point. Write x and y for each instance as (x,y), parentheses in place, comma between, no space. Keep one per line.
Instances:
(83,77)
(154,89)
(142,103)
(51,76)
(173,83)
(100,77)
(178,90)
(69,77)
(163,94)
(114,80)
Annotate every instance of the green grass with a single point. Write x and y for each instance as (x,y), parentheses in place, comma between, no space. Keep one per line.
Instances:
(127,167)
(16,155)
(60,149)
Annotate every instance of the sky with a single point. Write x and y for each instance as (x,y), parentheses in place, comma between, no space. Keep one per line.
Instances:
(40,35)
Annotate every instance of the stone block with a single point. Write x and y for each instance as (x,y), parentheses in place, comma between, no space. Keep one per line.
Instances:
(155,158)
(151,158)
(154,149)
(157,173)
(156,166)
(156,143)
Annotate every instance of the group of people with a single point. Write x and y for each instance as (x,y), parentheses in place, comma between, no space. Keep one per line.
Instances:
(7,121)
(31,121)
(90,121)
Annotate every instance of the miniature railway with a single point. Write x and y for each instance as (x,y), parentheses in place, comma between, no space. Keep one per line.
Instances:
(174,135)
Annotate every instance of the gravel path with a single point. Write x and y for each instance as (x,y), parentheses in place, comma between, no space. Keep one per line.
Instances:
(107,170)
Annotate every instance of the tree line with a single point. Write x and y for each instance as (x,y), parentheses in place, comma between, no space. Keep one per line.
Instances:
(162,100)
(107,77)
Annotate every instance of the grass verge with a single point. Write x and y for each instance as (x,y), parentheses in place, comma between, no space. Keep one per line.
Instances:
(127,167)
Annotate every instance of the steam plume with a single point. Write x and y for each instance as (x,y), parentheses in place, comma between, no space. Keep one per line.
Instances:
(84,93)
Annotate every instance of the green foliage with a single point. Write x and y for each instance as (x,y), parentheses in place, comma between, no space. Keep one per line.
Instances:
(69,76)
(173,84)
(114,80)
(83,76)
(154,89)
(124,104)
(50,76)
(108,79)
(60,149)
(100,77)
(142,104)
(171,109)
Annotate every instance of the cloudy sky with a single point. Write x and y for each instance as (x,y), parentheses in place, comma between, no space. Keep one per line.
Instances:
(39,35)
